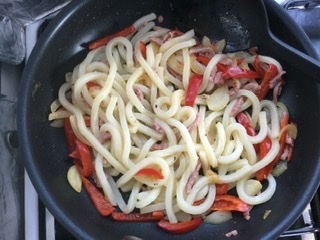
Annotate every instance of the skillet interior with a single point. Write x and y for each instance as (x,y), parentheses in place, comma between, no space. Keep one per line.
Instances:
(63,45)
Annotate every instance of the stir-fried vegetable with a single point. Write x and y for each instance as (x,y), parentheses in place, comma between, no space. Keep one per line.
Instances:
(181,227)
(193,87)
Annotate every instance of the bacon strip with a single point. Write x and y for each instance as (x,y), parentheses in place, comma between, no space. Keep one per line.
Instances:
(192,179)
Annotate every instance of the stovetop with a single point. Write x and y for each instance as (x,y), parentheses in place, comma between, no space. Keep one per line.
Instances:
(305,13)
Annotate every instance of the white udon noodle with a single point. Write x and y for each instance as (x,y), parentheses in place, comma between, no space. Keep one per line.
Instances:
(219,142)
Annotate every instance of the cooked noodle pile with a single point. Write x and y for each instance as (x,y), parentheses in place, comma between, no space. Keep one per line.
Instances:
(130,108)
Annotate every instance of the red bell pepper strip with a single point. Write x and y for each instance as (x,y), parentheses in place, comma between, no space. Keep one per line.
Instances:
(221,67)
(78,150)
(270,73)
(284,121)
(237,72)
(265,147)
(84,162)
(150,172)
(137,217)
(203,59)
(222,189)
(104,40)
(257,66)
(229,203)
(69,134)
(93,84)
(240,60)
(181,227)
(243,119)
(103,206)
(192,90)
(143,49)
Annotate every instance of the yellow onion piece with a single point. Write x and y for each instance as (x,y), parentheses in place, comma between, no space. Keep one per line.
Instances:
(218,99)
(253,187)
(291,129)
(279,168)
(218,217)
(57,123)
(74,178)
(220,45)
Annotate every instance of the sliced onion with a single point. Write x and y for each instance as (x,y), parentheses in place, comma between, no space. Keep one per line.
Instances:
(279,168)
(253,187)
(57,123)
(183,216)
(218,99)
(220,45)
(291,129)
(55,105)
(206,42)
(74,178)
(218,217)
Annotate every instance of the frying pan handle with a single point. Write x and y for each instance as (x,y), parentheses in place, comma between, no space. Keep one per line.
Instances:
(296,58)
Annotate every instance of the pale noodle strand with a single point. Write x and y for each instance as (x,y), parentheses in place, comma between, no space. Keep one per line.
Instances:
(145,198)
(142,164)
(189,208)
(210,71)
(275,146)
(169,197)
(169,133)
(188,141)
(186,68)
(261,197)
(262,131)
(152,74)
(265,59)
(103,179)
(141,21)
(274,117)
(204,140)
(174,101)
(202,183)
(185,37)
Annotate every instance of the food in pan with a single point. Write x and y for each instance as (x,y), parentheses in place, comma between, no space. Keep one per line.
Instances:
(162,126)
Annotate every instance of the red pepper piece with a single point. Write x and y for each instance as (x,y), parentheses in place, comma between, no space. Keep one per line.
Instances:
(79,151)
(103,206)
(229,203)
(203,59)
(150,172)
(257,66)
(84,162)
(240,60)
(69,134)
(92,84)
(270,73)
(265,147)
(143,49)
(137,217)
(237,72)
(221,67)
(104,40)
(222,189)
(192,90)
(243,119)
(181,227)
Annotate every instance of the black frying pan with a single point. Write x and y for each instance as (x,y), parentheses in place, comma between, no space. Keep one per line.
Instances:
(63,45)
